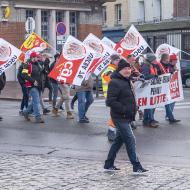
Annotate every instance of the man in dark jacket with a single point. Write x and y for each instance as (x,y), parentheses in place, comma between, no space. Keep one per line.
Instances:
(121,100)
(2,85)
(31,72)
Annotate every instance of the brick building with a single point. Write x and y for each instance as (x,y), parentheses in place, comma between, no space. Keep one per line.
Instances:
(80,17)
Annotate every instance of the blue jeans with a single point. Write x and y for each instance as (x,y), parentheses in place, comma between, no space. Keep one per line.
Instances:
(85,99)
(34,105)
(24,103)
(148,116)
(124,134)
(169,111)
(55,93)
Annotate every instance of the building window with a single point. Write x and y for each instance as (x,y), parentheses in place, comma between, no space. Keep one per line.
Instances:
(104,14)
(141,12)
(157,10)
(73,23)
(185,44)
(29,13)
(45,24)
(59,16)
(118,13)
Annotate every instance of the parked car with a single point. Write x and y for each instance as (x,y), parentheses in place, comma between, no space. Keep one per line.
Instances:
(185,72)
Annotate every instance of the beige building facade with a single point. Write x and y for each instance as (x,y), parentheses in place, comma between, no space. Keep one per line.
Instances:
(80,17)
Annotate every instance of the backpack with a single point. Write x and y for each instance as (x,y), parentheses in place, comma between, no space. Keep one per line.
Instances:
(2,81)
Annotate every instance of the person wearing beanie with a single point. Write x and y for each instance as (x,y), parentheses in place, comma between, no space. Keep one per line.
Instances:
(121,100)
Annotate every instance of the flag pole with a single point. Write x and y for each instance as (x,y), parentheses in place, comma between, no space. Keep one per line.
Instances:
(185,52)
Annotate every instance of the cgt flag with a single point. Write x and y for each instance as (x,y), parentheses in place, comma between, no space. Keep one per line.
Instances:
(73,63)
(8,55)
(32,43)
(101,49)
(132,44)
(108,42)
(96,48)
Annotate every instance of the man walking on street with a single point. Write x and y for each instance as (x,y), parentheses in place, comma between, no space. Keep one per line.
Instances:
(121,100)
(31,72)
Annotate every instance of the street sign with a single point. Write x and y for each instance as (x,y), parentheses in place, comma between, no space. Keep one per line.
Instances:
(61,39)
(61,28)
(30,25)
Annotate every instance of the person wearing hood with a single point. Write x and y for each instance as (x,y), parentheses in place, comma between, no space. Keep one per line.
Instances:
(121,100)
(169,65)
(150,69)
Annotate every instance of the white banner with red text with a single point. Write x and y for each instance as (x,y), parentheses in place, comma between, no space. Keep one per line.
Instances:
(74,62)
(132,44)
(103,51)
(158,91)
(9,54)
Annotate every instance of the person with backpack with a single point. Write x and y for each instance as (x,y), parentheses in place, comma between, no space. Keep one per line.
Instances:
(2,85)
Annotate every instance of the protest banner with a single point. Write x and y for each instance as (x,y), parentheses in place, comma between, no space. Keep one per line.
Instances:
(73,63)
(33,43)
(99,47)
(153,93)
(132,44)
(9,54)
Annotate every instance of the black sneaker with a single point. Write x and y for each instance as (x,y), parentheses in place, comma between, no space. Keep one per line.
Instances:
(86,118)
(26,116)
(113,168)
(61,108)
(174,121)
(139,171)
(45,111)
(83,121)
(154,121)
(21,113)
(1,118)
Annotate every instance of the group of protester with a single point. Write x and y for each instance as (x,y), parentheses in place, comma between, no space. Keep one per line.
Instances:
(145,68)
(33,78)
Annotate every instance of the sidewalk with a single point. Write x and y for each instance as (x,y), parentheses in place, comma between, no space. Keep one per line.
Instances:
(12,91)
(41,172)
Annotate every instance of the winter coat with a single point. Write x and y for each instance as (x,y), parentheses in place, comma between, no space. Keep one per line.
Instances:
(19,75)
(31,72)
(120,98)
(87,85)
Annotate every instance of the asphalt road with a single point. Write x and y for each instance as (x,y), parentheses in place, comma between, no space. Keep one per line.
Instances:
(166,145)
